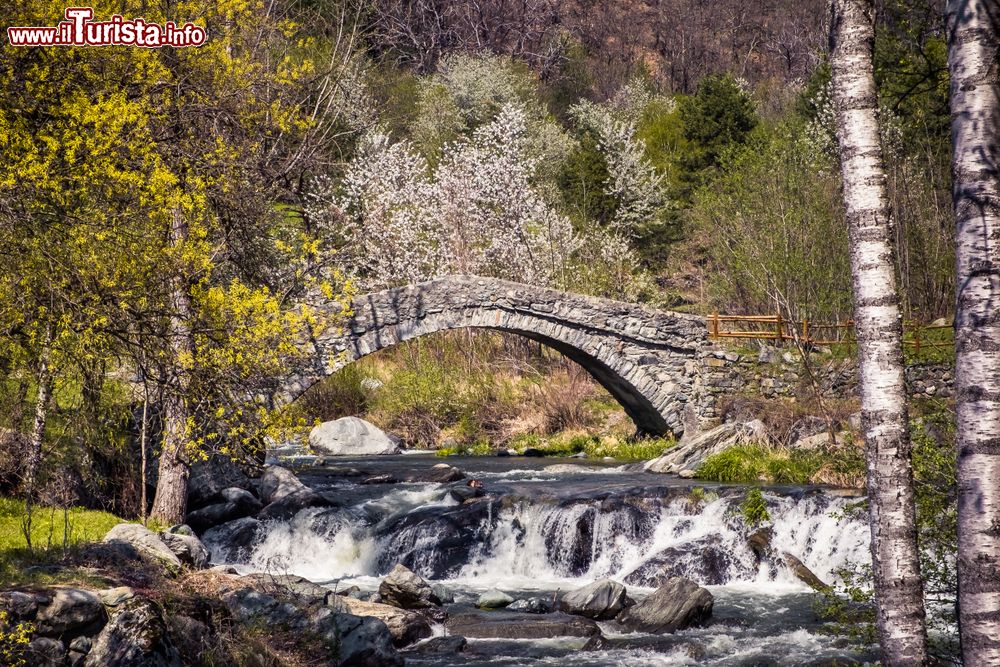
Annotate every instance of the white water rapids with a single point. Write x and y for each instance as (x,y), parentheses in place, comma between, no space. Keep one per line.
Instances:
(537,533)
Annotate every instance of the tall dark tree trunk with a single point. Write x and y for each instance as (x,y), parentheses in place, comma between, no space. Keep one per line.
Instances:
(974,65)
(895,558)
(170,501)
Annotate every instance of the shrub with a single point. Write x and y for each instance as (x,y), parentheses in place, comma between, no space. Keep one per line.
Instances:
(754,508)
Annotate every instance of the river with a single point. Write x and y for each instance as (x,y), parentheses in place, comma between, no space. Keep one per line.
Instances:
(546,526)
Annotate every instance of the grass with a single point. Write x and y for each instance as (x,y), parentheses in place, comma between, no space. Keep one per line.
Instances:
(594,446)
(756,463)
(51,528)
(754,508)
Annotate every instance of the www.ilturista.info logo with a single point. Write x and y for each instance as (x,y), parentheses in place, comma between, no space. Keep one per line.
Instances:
(80,30)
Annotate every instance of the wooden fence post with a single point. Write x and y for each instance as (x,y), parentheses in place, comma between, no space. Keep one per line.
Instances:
(805,331)
(715,326)
(778,329)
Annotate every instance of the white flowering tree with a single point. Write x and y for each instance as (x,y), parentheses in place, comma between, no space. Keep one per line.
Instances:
(482,211)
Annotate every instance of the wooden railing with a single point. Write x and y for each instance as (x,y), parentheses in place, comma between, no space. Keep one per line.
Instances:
(778,329)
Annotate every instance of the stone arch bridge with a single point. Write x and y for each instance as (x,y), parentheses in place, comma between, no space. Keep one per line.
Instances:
(649,360)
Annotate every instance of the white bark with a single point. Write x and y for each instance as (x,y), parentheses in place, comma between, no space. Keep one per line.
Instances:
(973,44)
(895,559)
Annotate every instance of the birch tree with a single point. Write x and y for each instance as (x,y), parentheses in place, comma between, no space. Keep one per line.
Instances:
(973,47)
(895,559)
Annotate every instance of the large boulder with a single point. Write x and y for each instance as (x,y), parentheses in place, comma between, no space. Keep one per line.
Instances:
(188,548)
(69,611)
(278,482)
(511,625)
(136,636)
(406,627)
(145,541)
(289,505)
(351,436)
(360,641)
(602,600)
(404,589)
(209,478)
(233,541)
(690,454)
(234,503)
(677,604)
(45,652)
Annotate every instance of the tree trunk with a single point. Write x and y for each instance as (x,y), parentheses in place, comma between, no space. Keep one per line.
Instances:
(170,501)
(973,62)
(895,559)
(44,379)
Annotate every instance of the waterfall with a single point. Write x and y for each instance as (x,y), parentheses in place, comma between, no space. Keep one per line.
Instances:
(634,537)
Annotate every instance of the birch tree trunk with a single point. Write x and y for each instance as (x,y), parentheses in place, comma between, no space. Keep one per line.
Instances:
(973,45)
(44,379)
(170,500)
(895,559)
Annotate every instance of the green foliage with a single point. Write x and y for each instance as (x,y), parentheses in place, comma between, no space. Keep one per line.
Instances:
(757,463)
(753,508)
(582,182)
(719,116)
(760,220)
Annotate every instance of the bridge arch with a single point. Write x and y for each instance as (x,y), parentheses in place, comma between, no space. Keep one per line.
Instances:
(643,357)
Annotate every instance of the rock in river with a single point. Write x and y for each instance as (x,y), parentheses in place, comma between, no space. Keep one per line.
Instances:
(404,589)
(351,436)
(493,599)
(511,625)
(602,600)
(677,604)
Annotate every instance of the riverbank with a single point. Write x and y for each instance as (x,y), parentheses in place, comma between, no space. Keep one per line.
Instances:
(294,550)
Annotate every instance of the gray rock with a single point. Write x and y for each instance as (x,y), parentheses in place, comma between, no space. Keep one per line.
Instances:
(233,541)
(288,506)
(404,589)
(145,541)
(441,473)
(602,600)
(278,482)
(290,586)
(677,604)
(510,625)
(234,503)
(136,636)
(441,646)
(71,609)
(406,627)
(360,641)
(804,574)
(45,652)
(112,597)
(188,549)
(351,436)
(23,605)
(531,606)
(81,644)
(493,599)
(209,478)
